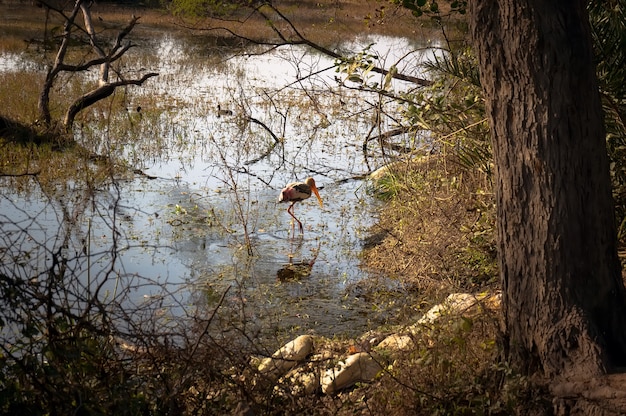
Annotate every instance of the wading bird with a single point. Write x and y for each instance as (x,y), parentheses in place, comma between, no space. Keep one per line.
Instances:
(298,191)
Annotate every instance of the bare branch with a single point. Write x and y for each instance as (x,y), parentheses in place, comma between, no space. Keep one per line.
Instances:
(94,62)
(104,59)
(125,31)
(98,94)
(302,40)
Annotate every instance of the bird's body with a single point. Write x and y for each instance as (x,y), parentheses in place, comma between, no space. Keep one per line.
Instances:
(223,112)
(299,191)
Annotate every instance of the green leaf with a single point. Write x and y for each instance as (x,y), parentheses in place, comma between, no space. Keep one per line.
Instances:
(466,324)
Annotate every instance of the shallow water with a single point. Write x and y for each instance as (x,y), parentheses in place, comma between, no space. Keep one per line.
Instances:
(181,239)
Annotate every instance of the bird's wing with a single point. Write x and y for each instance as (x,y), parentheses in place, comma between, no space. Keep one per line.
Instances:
(302,189)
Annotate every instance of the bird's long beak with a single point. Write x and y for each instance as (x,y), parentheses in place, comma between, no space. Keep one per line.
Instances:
(317,194)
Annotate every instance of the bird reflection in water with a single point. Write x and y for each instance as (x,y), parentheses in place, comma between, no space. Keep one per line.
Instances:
(294,271)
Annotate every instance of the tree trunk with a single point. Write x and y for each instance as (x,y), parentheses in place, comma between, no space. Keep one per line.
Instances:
(44,97)
(563,296)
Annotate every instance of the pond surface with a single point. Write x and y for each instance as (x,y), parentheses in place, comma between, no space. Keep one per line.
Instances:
(200,219)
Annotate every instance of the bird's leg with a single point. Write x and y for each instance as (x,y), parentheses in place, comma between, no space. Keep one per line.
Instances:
(290,211)
(293,230)
(297,220)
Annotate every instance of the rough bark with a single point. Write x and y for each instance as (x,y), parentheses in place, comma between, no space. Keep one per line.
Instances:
(563,296)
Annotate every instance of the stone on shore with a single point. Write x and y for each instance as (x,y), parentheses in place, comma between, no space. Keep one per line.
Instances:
(396,343)
(286,357)
(362,366)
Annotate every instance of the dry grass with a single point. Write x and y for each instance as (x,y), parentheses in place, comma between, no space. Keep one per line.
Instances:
(452,370)
(437,234)
(18,93)
(326,22)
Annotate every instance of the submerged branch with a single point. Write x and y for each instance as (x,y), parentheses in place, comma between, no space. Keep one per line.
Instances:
(388,134)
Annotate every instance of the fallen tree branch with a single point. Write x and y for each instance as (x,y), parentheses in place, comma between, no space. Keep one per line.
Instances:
(303,41)
(18,175)
(270,149)
(98,94)
(299,39)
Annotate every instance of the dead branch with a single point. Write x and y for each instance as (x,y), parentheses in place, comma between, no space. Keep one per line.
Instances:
(98,94)
(300,39)
(104,59)
(94,62)
(18,175)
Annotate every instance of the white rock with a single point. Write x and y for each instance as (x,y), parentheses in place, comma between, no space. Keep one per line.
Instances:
(303,381)
(380,173)
(286,357)
(357,367)
(396,342)
(454,304)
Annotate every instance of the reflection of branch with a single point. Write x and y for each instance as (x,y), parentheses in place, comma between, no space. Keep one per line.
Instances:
(254,175)
(270,149)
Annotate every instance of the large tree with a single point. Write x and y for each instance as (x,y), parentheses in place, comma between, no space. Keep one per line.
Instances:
(563,296)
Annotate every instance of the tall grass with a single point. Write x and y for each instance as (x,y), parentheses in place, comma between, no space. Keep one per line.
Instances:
(18,94)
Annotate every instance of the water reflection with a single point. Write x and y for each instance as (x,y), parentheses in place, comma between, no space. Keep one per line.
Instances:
(177,233)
